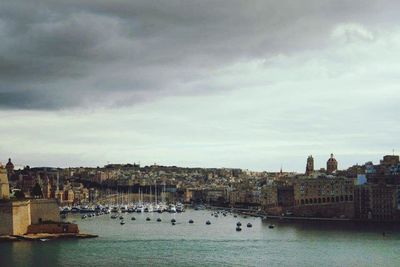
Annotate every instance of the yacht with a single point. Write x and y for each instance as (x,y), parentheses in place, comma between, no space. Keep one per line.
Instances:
(180,207)
(172,208)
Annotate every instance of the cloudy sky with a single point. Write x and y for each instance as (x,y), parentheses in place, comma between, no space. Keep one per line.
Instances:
(249,84)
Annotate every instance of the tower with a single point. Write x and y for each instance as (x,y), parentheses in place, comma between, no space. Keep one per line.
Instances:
(9,168)
(4,186)
(310,165)
(331,165)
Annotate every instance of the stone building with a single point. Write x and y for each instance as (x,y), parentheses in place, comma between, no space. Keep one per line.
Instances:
(377,202)
(324,197)
(277,198)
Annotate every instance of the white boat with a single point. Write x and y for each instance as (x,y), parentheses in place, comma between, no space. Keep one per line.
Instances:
(172,208)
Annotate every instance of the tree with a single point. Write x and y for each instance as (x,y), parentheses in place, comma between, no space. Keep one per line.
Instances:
(19,194)
(37,191)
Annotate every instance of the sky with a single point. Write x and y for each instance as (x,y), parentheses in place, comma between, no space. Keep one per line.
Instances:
(256,85)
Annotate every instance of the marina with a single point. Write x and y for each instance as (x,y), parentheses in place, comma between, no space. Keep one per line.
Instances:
(176,241)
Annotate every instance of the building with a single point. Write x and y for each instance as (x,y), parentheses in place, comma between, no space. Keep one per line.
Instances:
(377,202)
(331,165)
(324,197)
(277,198)
(310,165)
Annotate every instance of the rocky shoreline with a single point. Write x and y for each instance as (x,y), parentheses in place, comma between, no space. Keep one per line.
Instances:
(44,237)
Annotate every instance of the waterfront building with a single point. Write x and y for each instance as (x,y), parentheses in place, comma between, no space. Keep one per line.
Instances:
(277,198)
(310,165)
(331,165)
(324,196)
(377,202)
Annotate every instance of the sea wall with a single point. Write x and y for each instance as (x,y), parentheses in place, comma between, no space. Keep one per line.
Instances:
(14,217)
(325,210)
(53,228)
(5,219)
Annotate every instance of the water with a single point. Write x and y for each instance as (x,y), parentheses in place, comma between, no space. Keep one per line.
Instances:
(142,243)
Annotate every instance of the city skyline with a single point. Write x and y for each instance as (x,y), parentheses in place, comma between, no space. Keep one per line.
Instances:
(253,86)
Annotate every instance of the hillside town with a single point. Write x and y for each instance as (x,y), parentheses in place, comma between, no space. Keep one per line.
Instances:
(368,192)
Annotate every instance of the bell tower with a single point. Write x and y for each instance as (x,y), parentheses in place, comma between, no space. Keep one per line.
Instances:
(310,165)
(4,186)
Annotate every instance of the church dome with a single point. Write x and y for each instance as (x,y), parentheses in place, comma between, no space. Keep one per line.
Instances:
(332,159)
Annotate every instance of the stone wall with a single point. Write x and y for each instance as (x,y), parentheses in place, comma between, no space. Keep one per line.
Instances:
(5,219)
(14,217)
(53,228)
(44,210)
(330,210)
(20,217)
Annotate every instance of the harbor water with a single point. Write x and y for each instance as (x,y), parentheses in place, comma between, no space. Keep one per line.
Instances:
(152,243)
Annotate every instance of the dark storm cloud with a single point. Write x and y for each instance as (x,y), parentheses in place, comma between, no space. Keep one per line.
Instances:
(61,54)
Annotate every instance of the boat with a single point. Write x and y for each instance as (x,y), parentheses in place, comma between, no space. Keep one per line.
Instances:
(180,207)
(114,216)
(238,229)
(191,221)
(208,222)
(172,208)
(139,209)
(122,222)
(239,224)
(159,220)
(148,219)
(249,225)
(115,209)
(133,218)
(121,217)
(173,220)
(271,226)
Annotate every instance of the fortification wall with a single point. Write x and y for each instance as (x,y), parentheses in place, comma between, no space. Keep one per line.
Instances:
(5,219)
(20,217)
(44,210)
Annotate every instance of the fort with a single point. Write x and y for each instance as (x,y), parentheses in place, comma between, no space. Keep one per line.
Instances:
(29,219)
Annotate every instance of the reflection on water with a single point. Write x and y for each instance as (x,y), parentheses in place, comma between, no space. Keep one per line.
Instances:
(29,253)
(143,243)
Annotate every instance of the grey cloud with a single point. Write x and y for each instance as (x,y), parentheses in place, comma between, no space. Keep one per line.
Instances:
(56,54)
